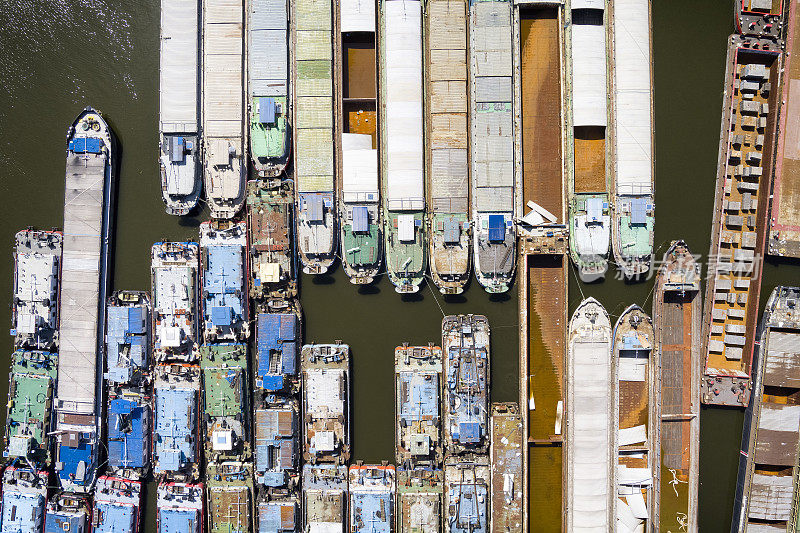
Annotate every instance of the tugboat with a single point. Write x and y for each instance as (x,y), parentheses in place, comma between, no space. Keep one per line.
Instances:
(180,507)
(24,499)
(30,402)
(465,339)
(176,433)
(117,505)
(225,308)
(277,437)
(174,279)
(466,494)
(326,402)
(325,497)
(270,226)
(68,512)
(277,352)
(419,500)
(371,498)
(37,268)
(230,497)
(418,371)
(127,338)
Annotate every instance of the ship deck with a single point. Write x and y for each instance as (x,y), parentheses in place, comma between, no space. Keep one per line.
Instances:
(506,461)
(225,394)
(229,499)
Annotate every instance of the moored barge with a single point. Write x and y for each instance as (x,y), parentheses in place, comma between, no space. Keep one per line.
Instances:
(371,490)
(325,498)
(277,350)
(67,512)
(24,499)
(466,494)
(278,515)
(277,439)
(230,497)
(419,500)
(127,338)
(180,508)
(506,468)
(176,435)
(117,505)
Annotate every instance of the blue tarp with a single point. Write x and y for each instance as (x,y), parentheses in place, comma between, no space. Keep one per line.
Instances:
(221,316)
(126,328)
(126,440)
(314,207)
(639,211)
(71,458)
(272,382)
(497,228)
(469,432)
(452,231)
(178,521)
(360,218)
(174,427)
(81,145)
(27,511)
(277,348)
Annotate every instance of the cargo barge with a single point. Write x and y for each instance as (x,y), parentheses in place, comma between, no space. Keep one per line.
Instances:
(128,339)
(117,506)
(277,444)
(268,103)
(418,381)
(446,159)
(419,500)
(587,146)
(491,117)
(326,402)
(37,269)
(180,507)
(278,515)
(24,499)
(591,459)
(506,434)
(466,494)
(677,306)
(740,219)
(312,81)
(178,118)
(325,497)
(767,493)
(67,511)
(635,363)
(176,435)
(230,497)
(277,350)
(358,200)
(632,131)
(371,489)
(465,344)
(401,141)
(224,109)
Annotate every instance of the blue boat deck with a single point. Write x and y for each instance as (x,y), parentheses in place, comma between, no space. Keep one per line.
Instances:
(277,437)
(24,498)
(225,313)
(127,343)
(117,505)
(277,350)
(177,393)
(67,513)
(129,424)
(372,499)
(180,508)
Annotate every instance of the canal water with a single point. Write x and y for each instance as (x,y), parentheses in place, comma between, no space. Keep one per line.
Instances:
(60,55)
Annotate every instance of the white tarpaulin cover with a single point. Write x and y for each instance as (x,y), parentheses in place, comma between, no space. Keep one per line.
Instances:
(634,435)
(589,75)
(179,46)
(632,97)
(359,168)
(402,170)
(588,4)
(357,15)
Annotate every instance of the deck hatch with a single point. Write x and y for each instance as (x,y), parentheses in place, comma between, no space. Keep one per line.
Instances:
(360,218)
(266,110)
(639,211)
(497,228)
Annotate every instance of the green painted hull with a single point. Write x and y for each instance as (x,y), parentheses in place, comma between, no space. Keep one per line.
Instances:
(405,261)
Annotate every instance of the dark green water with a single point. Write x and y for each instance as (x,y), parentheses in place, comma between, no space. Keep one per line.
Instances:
(59,55)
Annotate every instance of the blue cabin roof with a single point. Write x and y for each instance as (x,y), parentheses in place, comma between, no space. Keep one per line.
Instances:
(370,512)
(82,145)
(277,517)
(176,414)
(115,518)
(276,447)
(77,461)
(22,512)
(360,218)
(178,521)
(222,286)
(470,515)
(422,398)
(277,349)
(497,228)
(467,382)
(126,439)
(65,522)
(126,342)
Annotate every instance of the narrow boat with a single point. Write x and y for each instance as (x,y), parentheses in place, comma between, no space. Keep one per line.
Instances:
(466,494)
(223,252)
(178,120)
(591,409)
(277,352)
(230,497)
(465,342)
(636,441)
(419,500)
(67,512)
(129,421)
(371,498)
(358,196)
(326,402)
(506,468)
(180,508)
(446,161)
(492,141)
(224,113)
(127,338)
(225,402)
(37,268)
(588,202)
(677,308)
(633,182)
(325,498)
(174,281)
(277,438)
(268,85)
(24,500)
(312,25)
(401,141)
(117,506)
(418,376)
(29,420)
(270,226)
(278,515)
(176,439)
(767,493)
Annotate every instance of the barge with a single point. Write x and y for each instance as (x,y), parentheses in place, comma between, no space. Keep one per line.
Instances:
(129,419)
(224,109)
(312,80)
(127,339)
(176,435)
(492,185)
(67,512)
(587,168)
(230,497)
(506,432)
(418,377)
(738,234)
(419,500)
(767,492)
(277,439)
(270,232)
(178,118)
(278,515)
(174,278)
(117,506)
(371,503)
(326,402)
(446,160)
(592,414)
(24,499)
(632,178)
(357,142)
(325,498)
(465,343)
(466,494)
(677,306)
(635,362)
(180,507)
(37,269)
(268,102)
(277,350)
(401,141)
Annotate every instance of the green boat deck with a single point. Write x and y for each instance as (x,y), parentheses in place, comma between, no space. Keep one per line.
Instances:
(224,368)
(269,141)
(405,261)
(230,497)
(361,248)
